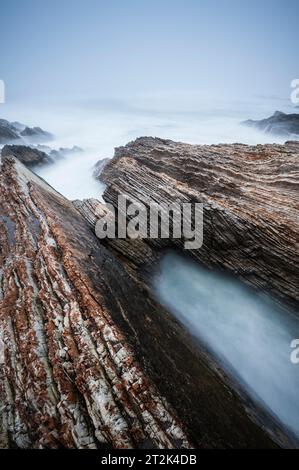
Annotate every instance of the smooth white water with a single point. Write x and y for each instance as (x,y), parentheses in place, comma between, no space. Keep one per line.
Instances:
(245,331)
(72,176)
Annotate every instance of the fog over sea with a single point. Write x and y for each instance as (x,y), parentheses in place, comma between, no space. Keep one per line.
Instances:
(100,125)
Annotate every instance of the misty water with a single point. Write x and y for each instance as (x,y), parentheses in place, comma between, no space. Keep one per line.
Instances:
(247,333)
(100,125)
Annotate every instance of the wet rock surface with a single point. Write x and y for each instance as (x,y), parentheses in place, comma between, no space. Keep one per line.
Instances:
(88,357)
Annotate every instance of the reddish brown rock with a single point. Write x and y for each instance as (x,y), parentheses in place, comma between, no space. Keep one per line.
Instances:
(69,377)
(88,358)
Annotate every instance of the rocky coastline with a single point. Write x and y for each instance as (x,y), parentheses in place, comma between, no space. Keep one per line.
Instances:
(89,358)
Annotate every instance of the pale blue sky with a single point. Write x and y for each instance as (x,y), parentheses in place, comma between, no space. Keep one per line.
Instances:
(93,48)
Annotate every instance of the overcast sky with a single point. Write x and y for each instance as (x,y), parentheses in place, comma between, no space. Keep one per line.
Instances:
(63,49)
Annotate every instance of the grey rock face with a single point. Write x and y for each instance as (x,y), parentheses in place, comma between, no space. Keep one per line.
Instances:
(8,133)
(36,134)
(279,124)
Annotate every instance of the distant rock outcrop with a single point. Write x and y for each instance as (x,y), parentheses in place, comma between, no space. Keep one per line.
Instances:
(279,124)
(36,134)
(8,132)
(11,132)
(62,152)
(65,152)
(37,155)
(29,156)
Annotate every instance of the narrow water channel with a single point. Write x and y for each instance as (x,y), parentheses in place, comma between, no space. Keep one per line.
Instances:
(249,334)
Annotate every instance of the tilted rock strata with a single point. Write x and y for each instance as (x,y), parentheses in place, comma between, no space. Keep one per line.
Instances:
(68,376)
(136,253)
(250,197)
(37,155)
(88,358)
(201,389)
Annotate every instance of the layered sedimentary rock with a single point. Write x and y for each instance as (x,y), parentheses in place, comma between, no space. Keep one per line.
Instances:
(280,124)
(68,377)
(31,157)
(250,197)
(88,358)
